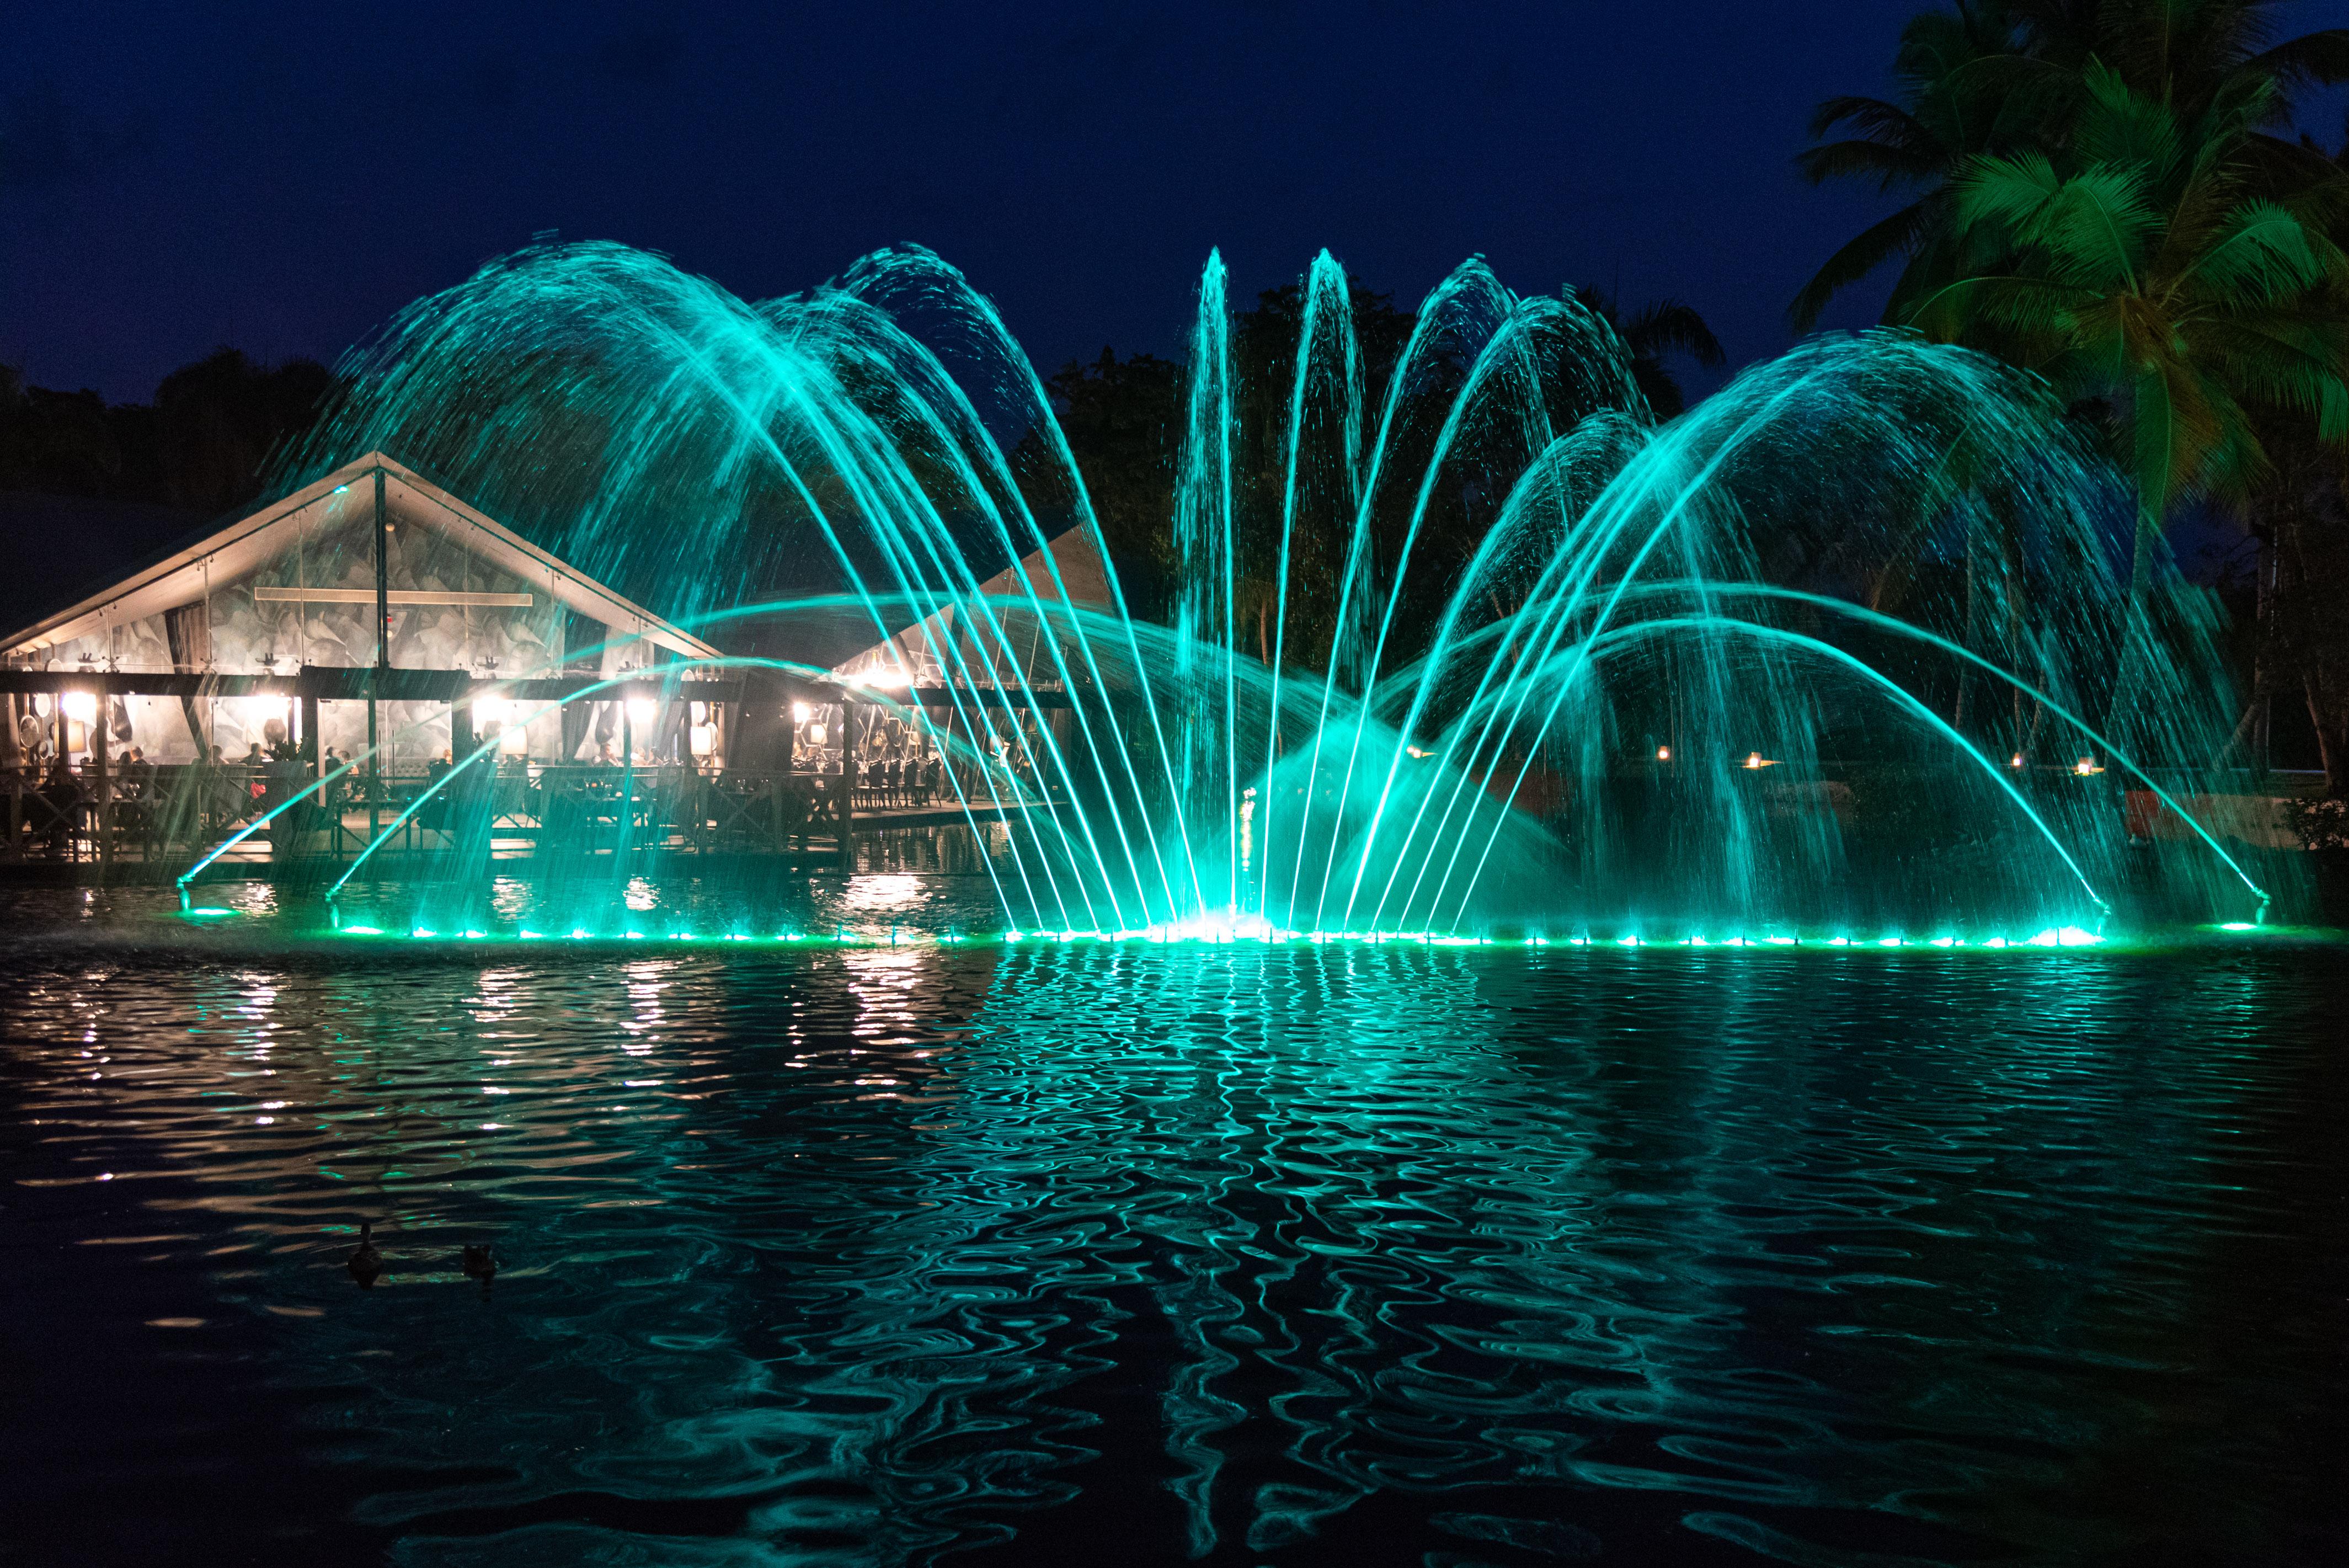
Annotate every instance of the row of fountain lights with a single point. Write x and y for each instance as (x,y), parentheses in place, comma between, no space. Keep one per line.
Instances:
(2054,937)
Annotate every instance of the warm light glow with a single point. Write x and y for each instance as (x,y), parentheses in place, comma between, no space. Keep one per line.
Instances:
(1663,753)
(490,710)
(703,738)
(263,706)
(2085,766)
(641,710)
(2017,762)
(802,712)
(514,741)
(81,707)
(815,734)
(1756,760)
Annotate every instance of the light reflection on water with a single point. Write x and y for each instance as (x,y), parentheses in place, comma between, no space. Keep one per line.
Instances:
(1344,1254)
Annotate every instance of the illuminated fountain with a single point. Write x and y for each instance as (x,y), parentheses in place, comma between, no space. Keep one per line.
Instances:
(1462,646)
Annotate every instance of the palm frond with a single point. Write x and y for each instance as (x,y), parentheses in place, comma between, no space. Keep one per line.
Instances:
(1875,245)
(2121,127)
(1887,166)
(2032,305)
(2007,190)
(2312,59)
(2094,229)
(2262,253)
(1672,324)
(1871,117)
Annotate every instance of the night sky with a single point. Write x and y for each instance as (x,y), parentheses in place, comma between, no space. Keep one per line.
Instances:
(283,177)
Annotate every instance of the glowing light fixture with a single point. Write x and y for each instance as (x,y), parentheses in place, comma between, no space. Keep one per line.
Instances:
(81,707)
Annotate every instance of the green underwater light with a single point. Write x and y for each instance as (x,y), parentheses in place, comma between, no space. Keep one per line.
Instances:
(2056,937)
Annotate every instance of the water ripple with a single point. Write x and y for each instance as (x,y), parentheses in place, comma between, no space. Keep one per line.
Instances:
(1313,1255)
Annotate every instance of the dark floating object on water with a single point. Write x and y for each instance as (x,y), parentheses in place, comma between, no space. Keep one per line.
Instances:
(366,1263)
(479,1264)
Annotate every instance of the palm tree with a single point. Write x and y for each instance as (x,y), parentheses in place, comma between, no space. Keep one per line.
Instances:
(2146,270)
(1965,79)
(1998,76)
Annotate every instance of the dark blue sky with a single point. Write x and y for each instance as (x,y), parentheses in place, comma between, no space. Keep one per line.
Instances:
(283,177)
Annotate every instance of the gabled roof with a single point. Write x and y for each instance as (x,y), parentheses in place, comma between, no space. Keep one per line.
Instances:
(183,577)
(1067,558)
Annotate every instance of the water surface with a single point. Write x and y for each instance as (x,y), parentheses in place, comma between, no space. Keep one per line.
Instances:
(1303,1255)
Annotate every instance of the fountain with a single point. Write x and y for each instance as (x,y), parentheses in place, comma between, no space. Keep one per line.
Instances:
(1818,660)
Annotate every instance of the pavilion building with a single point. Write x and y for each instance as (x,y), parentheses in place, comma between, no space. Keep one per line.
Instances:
(369,604)
(373,606)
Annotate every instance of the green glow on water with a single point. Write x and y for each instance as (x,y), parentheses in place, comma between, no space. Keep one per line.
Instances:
(2063,937)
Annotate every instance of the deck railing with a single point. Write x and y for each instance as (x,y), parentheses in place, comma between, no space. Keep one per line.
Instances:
(160,813)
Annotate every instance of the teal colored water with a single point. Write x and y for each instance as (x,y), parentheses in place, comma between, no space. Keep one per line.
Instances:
(1337,1254)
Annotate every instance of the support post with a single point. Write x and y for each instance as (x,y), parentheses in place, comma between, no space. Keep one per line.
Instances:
(848,765)
(382,577)
(462,742)
(313,759)
(102,807)
(311,751)
(628,811)
(374,776)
